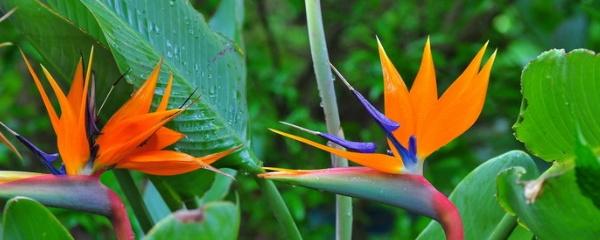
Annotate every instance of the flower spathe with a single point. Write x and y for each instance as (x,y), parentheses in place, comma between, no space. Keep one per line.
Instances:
(135,137)
(418,122)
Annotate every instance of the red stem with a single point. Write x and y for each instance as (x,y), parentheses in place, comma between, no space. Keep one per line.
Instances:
(448,216)
(120,220)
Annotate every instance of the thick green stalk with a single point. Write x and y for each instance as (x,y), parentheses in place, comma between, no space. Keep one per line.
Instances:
(171,198)
(504,228)
(320,57)
(134,197)
(279,209)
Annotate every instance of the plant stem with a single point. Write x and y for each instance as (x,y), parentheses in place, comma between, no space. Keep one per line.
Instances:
(170,197)
(277,205)
(271,194)
(448,216)
(134,197)
(320,57)
(120,220)
(503,230)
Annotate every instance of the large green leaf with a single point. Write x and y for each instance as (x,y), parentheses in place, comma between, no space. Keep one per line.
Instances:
(587,171)
(475,197)
(140,33)
(561,92)
(60,42)
(216,220)
(560,210)
(27,219)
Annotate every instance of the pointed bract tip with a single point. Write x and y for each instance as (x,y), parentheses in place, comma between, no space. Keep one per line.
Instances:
(300,128)
(9,129)
(335,70)
(8,14)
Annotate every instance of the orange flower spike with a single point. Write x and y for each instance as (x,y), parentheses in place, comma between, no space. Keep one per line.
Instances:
(162,138)
(49,107)
(141,100)
(423,92)
(75,92)
(125,137)
(72,140)
(380,162)
(396,100)
(165,162)
(458,108)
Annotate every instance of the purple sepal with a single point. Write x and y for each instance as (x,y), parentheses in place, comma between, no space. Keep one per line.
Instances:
(363,147)
(46,158)
(91,115)
(412,145)
(388,124)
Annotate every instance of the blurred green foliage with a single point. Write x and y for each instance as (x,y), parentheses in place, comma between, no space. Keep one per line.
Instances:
(281,87)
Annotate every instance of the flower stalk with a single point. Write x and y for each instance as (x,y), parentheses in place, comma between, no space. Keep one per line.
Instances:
(320,57)
(134,197)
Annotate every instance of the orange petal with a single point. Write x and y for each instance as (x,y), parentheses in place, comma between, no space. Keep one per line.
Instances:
(49,108)
(162,138)
(396,100)
(72,141)
(164,102)
(457,110)
(141,100)
(75,92)
(423,93)
(166,162)
(380,162)
(123,138)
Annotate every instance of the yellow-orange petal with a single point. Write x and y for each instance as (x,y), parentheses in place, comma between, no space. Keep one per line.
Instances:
(167,162)
(164,102)
(423,93)
(379,162)
(54,120)
(124,137)
(456,111)
(141,100)
(396,100)
(10,176)
(10,146)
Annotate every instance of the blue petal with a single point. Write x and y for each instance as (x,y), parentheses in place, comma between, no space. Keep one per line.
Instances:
(46,158)
(363,147)
(388,124)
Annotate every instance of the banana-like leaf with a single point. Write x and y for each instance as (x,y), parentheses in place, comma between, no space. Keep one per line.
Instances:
(475,197)
(215,220)
(139,33)
(59,42)
(560,96)
(25,218)
(560,211)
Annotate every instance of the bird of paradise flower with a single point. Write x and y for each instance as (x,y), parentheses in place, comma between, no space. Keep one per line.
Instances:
(416,123)
(133,138)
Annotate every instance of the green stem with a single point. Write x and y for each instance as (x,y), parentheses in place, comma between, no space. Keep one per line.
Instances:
(280,210)
(271,194)
(320,57)
(168,195)
(134,197)
(504,228)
